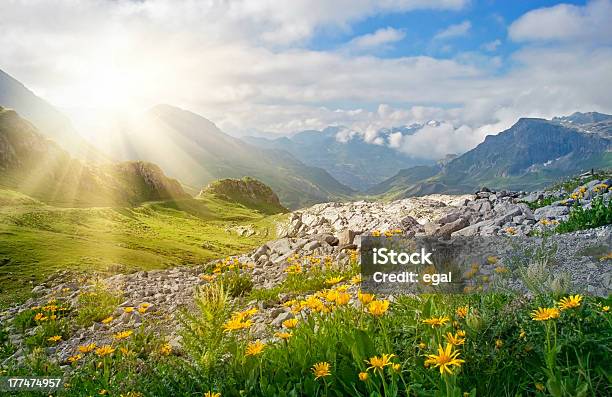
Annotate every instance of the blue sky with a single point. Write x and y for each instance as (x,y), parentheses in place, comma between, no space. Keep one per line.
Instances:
(277,67)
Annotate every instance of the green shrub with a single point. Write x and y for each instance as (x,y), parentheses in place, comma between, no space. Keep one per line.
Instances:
(600,214)
(236,284)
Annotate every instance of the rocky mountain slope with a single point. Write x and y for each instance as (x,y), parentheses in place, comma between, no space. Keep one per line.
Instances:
(247,191)
(191,148)
(529,155)
(45,117)
(353,162)
(37,166)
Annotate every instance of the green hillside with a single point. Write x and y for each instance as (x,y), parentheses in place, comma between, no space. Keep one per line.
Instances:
(37,240)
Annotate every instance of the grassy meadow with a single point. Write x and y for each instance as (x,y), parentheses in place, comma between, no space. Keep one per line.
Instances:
(37,240)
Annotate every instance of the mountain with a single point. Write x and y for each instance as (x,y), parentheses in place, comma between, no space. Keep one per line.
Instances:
(352,161)
(45,117)
(529,155)
(32,164)
(193,149)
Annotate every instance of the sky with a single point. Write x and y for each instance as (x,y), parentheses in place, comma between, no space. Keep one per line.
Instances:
(277,67)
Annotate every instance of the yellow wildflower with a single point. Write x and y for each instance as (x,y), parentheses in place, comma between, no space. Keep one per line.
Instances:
(283,335)
(454,339)
(605,309)
(105,350)
(544,314)
(334,280)
(107,320)
(254,348)
(342,298)
(363,376)
(462,311)
(75,358)
(356,279)
(445,360)
(378,308)
(87,348)
(128,309)
(123,335)
(540,387)
(436,321)
(165,349)
(236,324)
(291,323)
(211,394)
(379,363)
(321,370)
(499,343)
(570,302)
(55,338)
(365,298)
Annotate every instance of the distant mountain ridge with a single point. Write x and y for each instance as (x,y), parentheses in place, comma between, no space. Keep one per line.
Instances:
(529,155)
(193,149)
(37,166)
(353,161)
(15,95)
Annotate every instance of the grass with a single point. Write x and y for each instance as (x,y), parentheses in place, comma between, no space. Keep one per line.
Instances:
(37,240)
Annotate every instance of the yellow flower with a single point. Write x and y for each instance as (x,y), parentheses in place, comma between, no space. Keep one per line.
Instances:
(436,321)
(378,308)
(294,269)
(55,338)
(544,314)
(107,320)
(75,358)
(375,233)
(365,298)
(128,309)
(236,324)
(103,392)
(379,363)
(321,370)
(445,360)
(356,279)
(499,343)
(454,339)
(570,302)
(461,333)
(124,350)
(605,309)
(291,323)
(422,345)
(38,316)
(105,350)
(165,349)
(363,376)
(283,335)
(396,367)
(462,311)
(87,348)
(522,334)
(123,335)
(331,295)
(211,394)
(334,280)
(342,298)
(491,260)
(540,387)
(254,348)
(207,277)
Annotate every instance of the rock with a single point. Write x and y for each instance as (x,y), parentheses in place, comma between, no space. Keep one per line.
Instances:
(282,317)
(346,236)
(447,229)
(311,245)
(550,212)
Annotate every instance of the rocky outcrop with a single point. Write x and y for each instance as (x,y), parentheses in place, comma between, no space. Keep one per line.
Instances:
(247,191)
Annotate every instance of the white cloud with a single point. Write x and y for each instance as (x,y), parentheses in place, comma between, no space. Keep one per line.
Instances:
(377,40)
(457,30)
(491,45)
(240,63)
(566,23)
(437,140)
